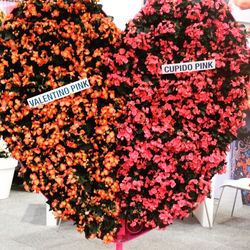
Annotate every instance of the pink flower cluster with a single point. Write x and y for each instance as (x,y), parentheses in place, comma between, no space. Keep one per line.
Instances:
(177,127)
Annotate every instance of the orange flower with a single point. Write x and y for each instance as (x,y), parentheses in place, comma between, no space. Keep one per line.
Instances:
(108,238)
(66,53)
(46,7)
(55,13)
(32,9)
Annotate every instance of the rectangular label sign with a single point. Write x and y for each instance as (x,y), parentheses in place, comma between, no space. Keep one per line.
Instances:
(58,93)
(188,66)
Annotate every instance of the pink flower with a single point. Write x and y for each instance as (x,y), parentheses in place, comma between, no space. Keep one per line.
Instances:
(166,216)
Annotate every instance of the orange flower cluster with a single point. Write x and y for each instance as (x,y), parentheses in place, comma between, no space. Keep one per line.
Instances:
(66,147)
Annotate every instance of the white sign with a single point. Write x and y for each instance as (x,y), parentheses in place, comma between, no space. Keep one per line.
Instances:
(188,67)
(58,93)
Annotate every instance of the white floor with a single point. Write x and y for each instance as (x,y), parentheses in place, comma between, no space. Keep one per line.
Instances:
(22,227)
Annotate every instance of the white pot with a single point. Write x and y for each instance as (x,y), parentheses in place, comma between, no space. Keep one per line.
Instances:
(7,169)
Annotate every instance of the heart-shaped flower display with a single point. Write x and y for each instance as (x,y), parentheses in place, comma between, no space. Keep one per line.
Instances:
(173,133)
